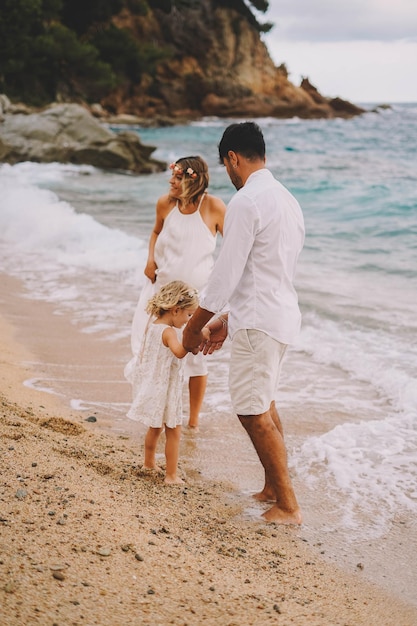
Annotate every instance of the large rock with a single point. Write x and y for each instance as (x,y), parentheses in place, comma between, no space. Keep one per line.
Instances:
(68,133)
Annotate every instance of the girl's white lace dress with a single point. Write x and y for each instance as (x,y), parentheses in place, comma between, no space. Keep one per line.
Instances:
(157,382)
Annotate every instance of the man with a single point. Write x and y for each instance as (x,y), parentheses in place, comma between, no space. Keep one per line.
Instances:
(253,277)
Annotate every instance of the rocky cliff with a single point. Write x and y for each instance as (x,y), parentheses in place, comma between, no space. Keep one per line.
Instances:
(216,65)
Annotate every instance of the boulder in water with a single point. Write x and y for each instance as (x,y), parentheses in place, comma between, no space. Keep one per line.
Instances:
(68,133)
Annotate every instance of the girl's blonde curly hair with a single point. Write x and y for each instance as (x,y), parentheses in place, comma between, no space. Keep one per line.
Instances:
(195,184)
(174,294)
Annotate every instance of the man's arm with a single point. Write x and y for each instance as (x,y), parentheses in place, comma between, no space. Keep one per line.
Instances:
(241,225)
(192,336)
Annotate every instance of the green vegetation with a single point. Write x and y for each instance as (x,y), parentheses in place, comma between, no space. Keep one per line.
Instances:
(121,51)
(74,49)
(69,49)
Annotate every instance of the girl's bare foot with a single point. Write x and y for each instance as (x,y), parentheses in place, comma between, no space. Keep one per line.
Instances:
(173,480)
(154,468)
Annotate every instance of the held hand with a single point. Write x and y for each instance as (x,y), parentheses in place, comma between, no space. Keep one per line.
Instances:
(205,337)
(192,337)
(206,333)
(218,334)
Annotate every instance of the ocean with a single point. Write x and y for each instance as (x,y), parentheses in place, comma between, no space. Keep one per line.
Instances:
(77,239)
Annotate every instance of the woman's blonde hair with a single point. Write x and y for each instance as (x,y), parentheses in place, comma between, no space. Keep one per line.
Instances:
(195,179)
(174,294)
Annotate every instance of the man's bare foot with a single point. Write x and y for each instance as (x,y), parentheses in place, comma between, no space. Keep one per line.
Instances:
(264,496)
(173,480)
(278,516)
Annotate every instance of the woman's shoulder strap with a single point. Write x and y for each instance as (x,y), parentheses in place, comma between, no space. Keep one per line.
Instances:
(203,195)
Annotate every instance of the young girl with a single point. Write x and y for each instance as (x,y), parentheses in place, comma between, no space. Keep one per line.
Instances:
(158,374)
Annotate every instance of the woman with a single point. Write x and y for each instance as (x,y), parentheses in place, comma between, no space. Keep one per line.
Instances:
(181,247)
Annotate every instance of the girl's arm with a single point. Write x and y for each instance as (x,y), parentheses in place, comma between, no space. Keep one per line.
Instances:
(162,210)
(170,340)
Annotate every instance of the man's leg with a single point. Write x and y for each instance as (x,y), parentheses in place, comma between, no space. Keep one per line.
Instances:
(267,494)
(268,441)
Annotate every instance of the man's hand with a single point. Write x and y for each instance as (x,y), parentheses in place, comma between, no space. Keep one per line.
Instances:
(192,336)
(218,333)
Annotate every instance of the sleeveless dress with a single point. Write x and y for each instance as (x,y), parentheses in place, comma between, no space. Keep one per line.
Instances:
(157,382)
(184,250)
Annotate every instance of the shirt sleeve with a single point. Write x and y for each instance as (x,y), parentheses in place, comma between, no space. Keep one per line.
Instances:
(240,228)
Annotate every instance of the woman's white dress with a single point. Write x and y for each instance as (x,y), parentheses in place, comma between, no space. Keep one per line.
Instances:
(184,250)
(157,382)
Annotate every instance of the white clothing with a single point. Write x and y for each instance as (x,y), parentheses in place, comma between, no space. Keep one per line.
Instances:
(184,250)
(157,382)
(255,367)
(263,237)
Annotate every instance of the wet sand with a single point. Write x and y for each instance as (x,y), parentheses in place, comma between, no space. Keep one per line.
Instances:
(88,538)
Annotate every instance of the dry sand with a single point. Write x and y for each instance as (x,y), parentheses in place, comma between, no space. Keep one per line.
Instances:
(88,538)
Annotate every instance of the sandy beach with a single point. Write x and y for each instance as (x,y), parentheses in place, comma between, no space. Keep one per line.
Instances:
(87,537)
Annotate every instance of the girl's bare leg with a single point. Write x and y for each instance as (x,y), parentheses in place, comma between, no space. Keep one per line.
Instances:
(197,388)
(172,446)
(151,441)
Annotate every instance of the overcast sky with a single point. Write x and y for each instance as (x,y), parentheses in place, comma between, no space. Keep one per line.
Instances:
(360,50)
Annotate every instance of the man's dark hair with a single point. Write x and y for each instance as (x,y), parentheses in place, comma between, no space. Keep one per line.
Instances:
(245,138)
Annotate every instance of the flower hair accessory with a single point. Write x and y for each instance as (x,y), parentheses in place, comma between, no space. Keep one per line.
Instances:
(191,293)
(177,169)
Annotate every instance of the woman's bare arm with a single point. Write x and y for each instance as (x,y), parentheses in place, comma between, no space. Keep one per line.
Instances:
(162,209)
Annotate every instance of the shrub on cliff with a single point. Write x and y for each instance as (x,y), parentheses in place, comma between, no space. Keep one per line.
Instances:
(69,49)
(41,58)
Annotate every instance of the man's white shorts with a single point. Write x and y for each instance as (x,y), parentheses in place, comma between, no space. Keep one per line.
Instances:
(255,366)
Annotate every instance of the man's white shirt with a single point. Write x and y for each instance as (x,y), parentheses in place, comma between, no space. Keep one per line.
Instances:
(254,273)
